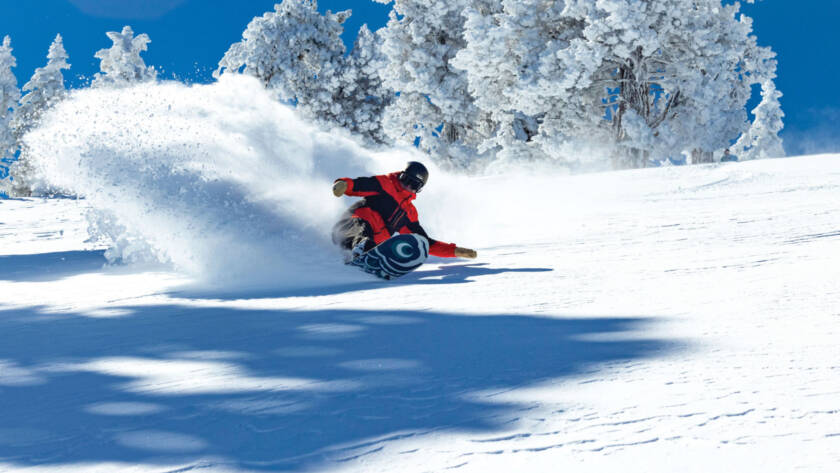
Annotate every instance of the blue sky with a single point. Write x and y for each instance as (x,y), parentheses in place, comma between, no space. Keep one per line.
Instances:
(190,36)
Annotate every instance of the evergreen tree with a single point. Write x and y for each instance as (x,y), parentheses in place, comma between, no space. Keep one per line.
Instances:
(521,64)
(728,64)
(121,64)
(639,79)
(44,89)
(298,54)
(434,105)
(295,52)
(762,140)
(360,94)
(9,96)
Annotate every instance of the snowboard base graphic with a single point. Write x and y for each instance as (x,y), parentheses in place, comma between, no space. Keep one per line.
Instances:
(394,257)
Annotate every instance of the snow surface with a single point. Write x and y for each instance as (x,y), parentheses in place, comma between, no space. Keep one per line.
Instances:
(671,319)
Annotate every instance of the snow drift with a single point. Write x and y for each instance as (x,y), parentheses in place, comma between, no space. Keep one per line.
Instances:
(227,184)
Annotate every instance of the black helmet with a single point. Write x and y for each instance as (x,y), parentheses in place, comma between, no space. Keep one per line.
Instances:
(415,176)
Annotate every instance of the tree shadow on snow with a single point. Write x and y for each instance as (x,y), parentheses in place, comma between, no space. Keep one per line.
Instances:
(50,266)
(275,390)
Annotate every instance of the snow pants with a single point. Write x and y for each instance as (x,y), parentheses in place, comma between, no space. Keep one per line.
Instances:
(350,231)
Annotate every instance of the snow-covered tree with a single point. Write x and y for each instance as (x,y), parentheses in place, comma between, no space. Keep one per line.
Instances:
(521,62)
(44,89)
(722,75)
(9,93)
(679,72)
(298,54)
(762,140)
(434,103)
(121,64)
(640,79)
(295,51)
(360,93)
(9,96)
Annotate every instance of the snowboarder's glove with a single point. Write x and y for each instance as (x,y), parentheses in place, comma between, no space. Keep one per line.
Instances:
(339,188)
(465,252)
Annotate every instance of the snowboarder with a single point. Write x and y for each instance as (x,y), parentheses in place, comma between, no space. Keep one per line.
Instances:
(386,209)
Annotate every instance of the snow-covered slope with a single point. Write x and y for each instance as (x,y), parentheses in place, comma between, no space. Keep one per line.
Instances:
(686,320)
(672,319)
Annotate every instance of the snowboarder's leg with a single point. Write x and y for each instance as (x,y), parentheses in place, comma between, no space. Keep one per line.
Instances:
(352,232)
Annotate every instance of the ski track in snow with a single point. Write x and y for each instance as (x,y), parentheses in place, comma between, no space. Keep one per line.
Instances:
(674,319)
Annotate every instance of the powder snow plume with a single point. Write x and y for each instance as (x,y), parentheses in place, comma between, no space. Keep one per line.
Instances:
(219,180)
(226,184)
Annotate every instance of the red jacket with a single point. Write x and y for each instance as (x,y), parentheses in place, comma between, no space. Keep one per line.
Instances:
(387,208)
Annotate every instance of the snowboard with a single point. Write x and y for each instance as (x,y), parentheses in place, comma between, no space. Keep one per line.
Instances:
(394,257)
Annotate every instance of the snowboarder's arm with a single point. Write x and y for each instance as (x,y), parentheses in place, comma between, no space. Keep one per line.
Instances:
(439,248)
(359,187)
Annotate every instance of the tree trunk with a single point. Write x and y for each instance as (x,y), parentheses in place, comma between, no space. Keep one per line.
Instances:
(449,133)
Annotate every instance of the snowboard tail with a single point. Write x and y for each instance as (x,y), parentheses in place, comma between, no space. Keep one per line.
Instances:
(394,257)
